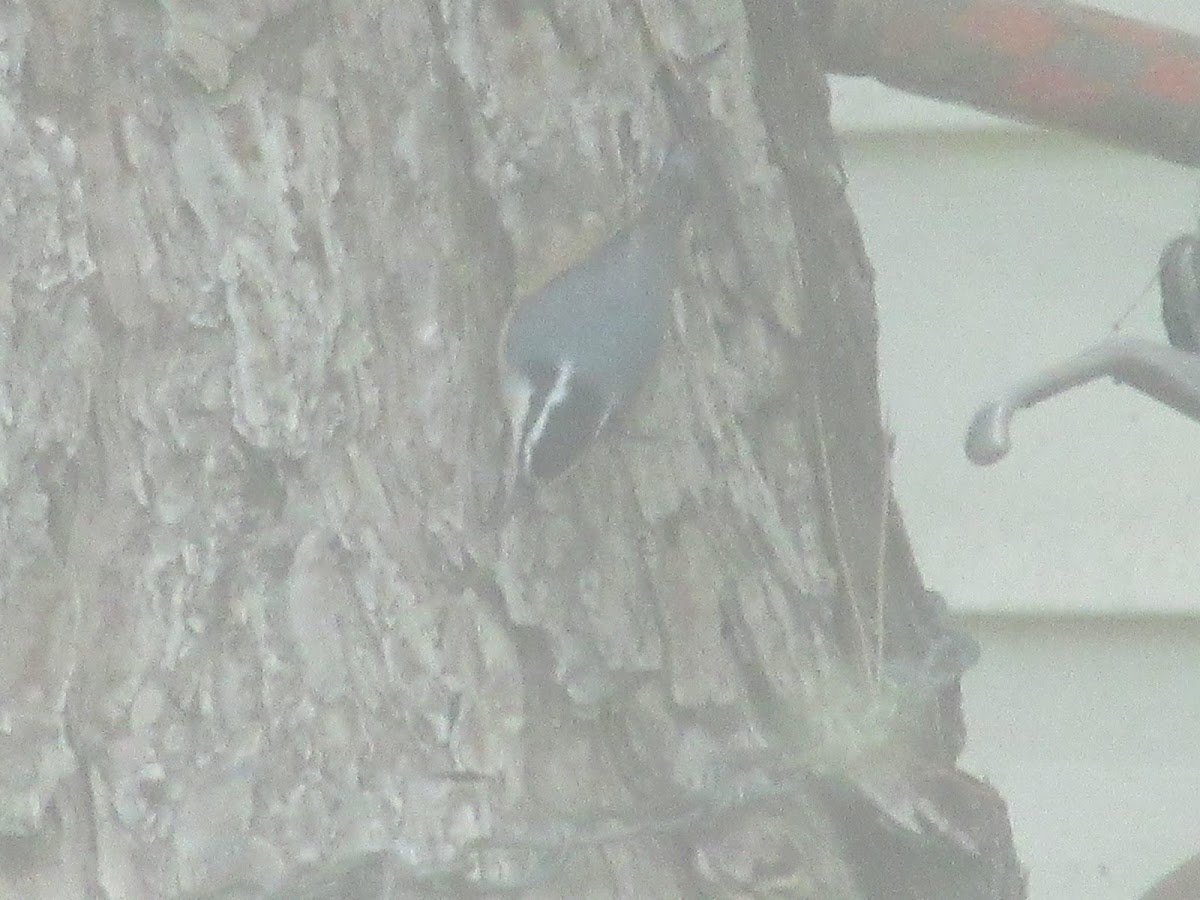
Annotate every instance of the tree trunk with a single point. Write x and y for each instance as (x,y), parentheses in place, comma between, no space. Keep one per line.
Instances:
(262,636)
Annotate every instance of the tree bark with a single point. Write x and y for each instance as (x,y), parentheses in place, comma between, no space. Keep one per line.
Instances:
(261,636)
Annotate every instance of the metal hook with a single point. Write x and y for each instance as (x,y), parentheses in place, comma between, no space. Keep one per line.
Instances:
(1169,374)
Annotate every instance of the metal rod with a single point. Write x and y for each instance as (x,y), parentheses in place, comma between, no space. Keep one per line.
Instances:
(1063,65)
(1168,375)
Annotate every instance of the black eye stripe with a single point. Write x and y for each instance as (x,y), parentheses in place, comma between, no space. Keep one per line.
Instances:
(558,428)
(542,379)
(543,415)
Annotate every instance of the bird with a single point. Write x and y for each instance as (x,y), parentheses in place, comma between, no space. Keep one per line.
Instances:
(576,350)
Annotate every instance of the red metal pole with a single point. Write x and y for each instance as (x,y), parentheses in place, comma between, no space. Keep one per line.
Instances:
(1058,64)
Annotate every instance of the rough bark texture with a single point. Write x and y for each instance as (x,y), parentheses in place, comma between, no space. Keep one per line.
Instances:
(260,633)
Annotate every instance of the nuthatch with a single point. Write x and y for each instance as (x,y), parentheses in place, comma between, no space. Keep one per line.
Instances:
(581,346)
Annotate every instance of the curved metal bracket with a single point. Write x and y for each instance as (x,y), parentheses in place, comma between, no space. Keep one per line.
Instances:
(1168,375)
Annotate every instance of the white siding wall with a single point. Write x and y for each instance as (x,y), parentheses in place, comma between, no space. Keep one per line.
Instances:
(1000,248)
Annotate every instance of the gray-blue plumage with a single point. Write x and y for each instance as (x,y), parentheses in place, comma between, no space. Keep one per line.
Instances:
(581,346)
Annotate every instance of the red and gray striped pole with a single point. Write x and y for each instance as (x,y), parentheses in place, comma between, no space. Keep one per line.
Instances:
(1057,64)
